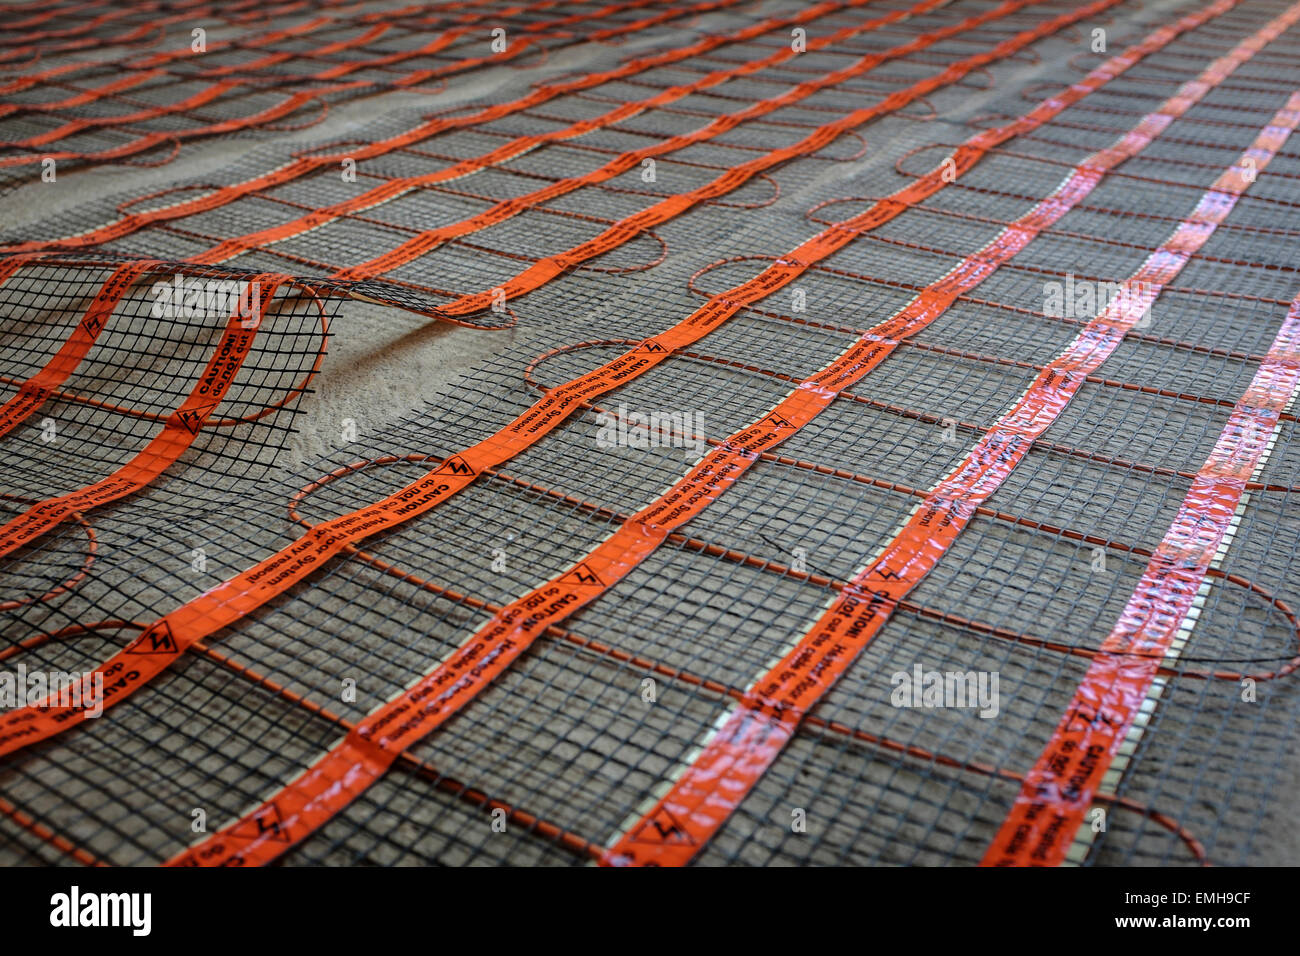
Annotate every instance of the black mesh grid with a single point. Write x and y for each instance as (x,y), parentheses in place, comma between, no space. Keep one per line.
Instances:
(563,741)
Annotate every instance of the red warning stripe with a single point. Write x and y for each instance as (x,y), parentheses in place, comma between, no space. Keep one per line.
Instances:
(132,222)
(1059,789)
(179,432)
(34,392)
(296,100)
(364,755)
(425,241)
(738,754)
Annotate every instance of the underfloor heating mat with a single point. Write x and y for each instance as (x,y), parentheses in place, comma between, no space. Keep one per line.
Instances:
(879,444)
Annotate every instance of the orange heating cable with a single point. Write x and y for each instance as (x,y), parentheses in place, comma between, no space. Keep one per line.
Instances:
(1072,234)
(1053,530)
(317,795)
(45,49)
(264,37)
(1153,180)
(588,848)
(1180,162)
(33,393)
(387,23)
(64,363)
(229,601)
(49,11)
(737,755)
(1198,292)
(905,412)
(623,162)
(563,837)
(190,103)
(40,830)
(358,289)
(393,188)
(823,581)
(157,59)
(1154,625)
(85,26)
(168,444)
(429,290)
(149,141)
(46,515)
(295,100)
(997,118)
(147,112)
(92,549)
(304,164)
(561,633)
(552,266)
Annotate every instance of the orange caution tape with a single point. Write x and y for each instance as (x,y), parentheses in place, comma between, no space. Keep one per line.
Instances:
(294,101)
(1060,787)
(548,268)
(758,728)
(304,165)
(371,747)
(179,432)
(425,241)
(34,392)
